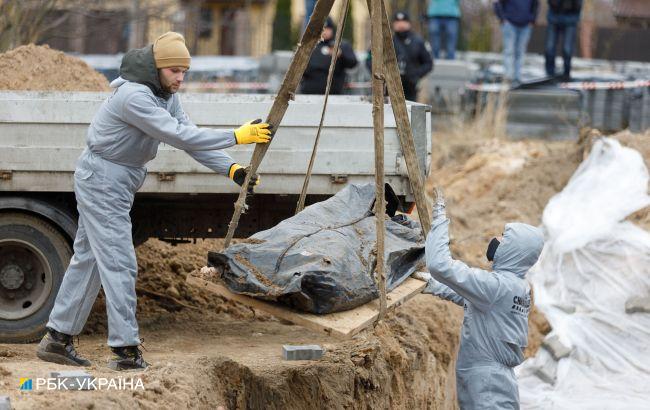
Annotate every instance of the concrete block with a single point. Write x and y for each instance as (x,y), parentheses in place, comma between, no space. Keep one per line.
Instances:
(73,379)
(556,348)
(5,403)
(638,305)
(302,352)
(547,372)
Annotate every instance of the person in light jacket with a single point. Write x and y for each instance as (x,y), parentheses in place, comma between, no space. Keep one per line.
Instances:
(517,18)
(143,111)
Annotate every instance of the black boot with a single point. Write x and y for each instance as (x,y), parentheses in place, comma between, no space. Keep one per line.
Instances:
(57,347)
(127,358)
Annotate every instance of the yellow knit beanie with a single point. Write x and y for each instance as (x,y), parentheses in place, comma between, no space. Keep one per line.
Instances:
(169,51)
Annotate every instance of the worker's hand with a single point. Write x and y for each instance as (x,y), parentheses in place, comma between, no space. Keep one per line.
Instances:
(425,276)
(253,132)
(439,206)
(238,174)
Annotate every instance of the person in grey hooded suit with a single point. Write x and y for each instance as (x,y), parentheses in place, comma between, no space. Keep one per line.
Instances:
(143,111)
(496,304)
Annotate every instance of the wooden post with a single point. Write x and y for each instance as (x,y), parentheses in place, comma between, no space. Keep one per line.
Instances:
(281,103)
(398,103)
(378,125)
(330,74)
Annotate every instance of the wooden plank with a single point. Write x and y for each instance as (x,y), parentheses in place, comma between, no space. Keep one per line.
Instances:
(281,103)
(341,324)
(378,122)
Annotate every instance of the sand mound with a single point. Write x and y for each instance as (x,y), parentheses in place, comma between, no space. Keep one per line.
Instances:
(40,68)
(163,294)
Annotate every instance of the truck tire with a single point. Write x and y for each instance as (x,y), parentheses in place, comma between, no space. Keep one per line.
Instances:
(33,258)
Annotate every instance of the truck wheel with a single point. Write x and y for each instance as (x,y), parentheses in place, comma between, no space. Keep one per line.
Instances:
(33,259)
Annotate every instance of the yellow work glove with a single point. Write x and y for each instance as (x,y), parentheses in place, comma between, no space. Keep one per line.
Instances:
(238,174)
(253,132)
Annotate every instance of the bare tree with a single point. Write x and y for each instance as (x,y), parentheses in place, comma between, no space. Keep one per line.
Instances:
(24,21)
(32,21)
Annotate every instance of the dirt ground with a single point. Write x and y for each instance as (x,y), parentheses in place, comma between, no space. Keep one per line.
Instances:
(221,354)
(208,352)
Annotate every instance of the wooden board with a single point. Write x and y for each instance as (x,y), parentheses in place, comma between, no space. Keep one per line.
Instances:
(378,126)
(341,324)
(281,103)
(404,131)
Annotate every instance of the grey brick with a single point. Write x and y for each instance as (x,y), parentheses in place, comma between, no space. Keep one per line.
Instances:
(638,305)
(556,348)
(74,379)
(5,403)
(548,371)
(302,352)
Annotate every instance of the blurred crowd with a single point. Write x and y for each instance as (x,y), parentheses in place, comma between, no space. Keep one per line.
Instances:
(415,54)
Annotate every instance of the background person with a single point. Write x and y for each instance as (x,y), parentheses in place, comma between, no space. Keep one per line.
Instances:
(517,18)
(413,57)
(562,22)
(444,23)
(314,80)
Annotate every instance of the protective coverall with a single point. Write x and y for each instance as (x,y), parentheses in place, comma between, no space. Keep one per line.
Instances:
(496,305)
(123,136)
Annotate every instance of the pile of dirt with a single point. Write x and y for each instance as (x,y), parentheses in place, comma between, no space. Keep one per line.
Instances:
(40,68)
(163,294)
(502,181)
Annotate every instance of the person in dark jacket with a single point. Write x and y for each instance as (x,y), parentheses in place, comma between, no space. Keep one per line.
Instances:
(517,18)
(314,80)
(562,18)
(413,57)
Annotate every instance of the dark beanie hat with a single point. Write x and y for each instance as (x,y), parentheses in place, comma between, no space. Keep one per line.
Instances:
(401,16)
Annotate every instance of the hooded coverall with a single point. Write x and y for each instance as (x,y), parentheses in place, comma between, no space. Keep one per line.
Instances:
(496,305)
(123,136)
